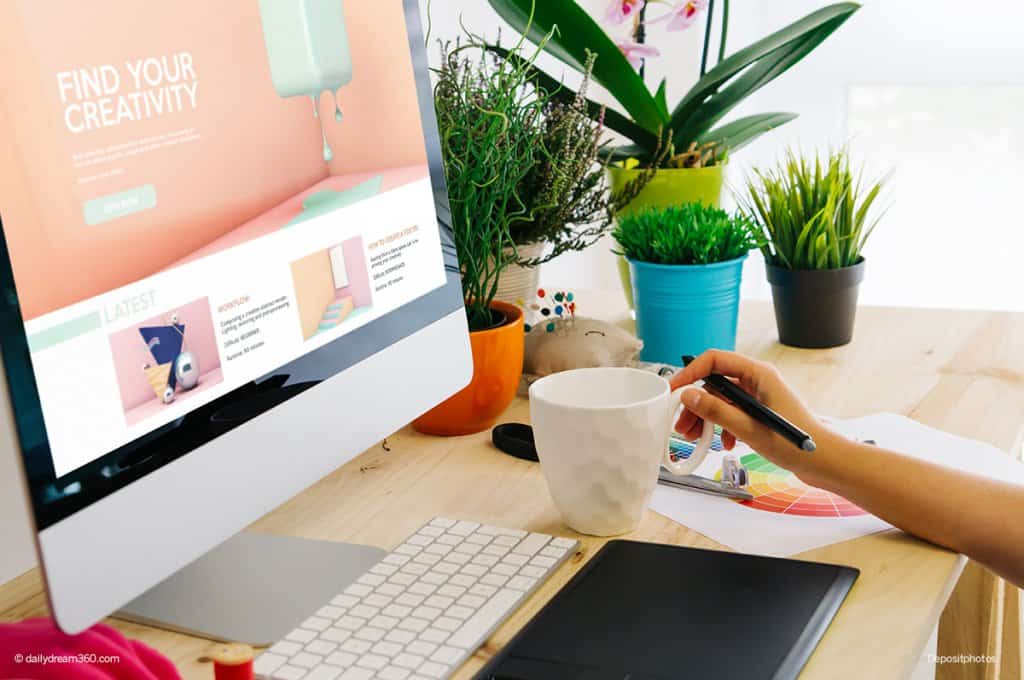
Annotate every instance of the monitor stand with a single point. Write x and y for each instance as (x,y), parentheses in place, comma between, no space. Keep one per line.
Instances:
(253,588)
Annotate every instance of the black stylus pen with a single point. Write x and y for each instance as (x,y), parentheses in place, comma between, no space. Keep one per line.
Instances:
(756,410)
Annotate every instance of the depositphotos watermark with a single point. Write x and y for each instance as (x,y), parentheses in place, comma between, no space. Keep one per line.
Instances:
(962,659)
(59,659)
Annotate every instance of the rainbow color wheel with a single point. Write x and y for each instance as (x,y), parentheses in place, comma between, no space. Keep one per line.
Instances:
(777,490)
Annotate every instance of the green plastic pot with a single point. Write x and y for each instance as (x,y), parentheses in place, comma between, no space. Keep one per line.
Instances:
(669,187)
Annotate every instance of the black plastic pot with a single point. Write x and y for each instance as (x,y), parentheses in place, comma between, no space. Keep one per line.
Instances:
(815,308)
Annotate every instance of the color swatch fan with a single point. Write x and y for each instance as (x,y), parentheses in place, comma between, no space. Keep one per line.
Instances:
(778,490)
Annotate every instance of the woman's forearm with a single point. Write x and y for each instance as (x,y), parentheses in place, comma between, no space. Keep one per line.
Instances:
(980,517)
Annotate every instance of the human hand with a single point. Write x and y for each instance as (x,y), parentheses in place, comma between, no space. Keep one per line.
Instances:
(765,383)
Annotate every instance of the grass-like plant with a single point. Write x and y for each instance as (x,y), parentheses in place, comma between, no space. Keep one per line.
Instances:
(489,117)
(811,214)
(692,233)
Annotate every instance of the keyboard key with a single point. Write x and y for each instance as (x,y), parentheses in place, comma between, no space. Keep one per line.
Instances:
(477,626)
(388,649)
(463,528)
(433,670)
(448,624)
(473,601)
(553,552)
(428,613)
(266,663)
(459,558)
(358,590)
(321,647)
(402,637)
(396,559)
(485,560)
(450,590)
(396,610)
(393,673)
(479,539)
(494,580)
(521,583)
(345,601)
(323,673)
(445,568)
(438,549)
(449,539)
(357,674)
(459,612)
(330,612)
(417,568)
(467,547)
(506,541)
(301,635)
(402,579)
(413,624)
(409,600)
(489,531)
(371,579)
(433,579)
(505,569)
(375,599)
(421,648)
(370,634)
(408,660)
(447,655)
(474,569)
(372,661)
(435,635)
(305,660)
(289,673)
(531,544)
(426,558)
(542,562)
(335,634)
(483,590)
(439,601)
(462,580)
(563,543)
(389,589)
(442,522)
(384,569)
(514,559)
(419,540)
(531,572)
(421,588)
(363,611)
(384,622)
(285,648)
(354,646)
(407,549)
(341,659)
(315,623)
(431,531)
(517,533)
(495,549)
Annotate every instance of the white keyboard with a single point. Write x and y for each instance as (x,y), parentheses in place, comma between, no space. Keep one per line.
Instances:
(422,610)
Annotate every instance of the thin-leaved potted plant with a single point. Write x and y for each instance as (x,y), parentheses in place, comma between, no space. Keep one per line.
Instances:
(488,117)
(814,217)
(686,266)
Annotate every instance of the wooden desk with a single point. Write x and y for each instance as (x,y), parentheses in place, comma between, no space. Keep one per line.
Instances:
(960,371)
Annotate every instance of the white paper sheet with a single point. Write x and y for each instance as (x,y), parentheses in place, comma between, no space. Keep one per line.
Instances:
(766,533)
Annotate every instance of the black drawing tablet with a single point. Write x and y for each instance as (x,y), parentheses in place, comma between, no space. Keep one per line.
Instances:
(643,611)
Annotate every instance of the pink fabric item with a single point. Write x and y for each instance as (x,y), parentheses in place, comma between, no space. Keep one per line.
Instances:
(29,650)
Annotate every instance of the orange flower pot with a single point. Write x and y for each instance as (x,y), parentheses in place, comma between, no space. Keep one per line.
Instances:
(497,368)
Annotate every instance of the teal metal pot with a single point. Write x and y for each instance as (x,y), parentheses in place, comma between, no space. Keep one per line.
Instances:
(686,309)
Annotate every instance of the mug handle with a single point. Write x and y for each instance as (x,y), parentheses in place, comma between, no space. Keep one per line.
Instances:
(700,451)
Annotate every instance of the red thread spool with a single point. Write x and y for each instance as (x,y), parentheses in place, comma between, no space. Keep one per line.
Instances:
(233,662)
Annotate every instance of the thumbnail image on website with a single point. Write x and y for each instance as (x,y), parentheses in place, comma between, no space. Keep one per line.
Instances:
(192,198)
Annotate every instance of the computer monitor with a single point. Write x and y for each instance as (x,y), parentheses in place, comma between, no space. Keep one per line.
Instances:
(226,268)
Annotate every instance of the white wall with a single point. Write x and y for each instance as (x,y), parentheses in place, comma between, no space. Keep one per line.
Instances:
(952,236)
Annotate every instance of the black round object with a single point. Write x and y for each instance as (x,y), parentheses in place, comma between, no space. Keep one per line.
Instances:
(815,308)
(515,439)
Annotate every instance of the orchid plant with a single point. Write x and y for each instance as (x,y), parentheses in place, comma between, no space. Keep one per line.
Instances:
(692,132)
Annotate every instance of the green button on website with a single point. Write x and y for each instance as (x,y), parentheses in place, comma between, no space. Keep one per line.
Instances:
(114,206)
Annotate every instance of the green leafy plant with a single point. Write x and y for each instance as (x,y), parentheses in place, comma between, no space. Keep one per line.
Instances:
(811,215)
(692,233)
(659,136)
(490,120)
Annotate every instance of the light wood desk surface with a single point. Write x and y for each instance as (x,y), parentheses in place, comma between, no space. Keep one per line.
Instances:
(956,370)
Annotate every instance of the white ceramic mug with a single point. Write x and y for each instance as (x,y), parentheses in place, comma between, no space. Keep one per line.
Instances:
(601,434)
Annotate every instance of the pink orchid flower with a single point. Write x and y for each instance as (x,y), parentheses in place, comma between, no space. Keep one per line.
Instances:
(620,11)
(636,53)
(682,16)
